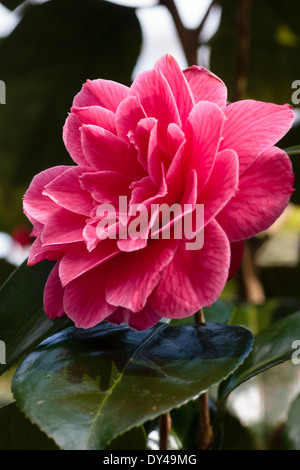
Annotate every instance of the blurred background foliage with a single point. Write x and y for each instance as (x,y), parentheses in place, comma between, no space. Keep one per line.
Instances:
(44,61)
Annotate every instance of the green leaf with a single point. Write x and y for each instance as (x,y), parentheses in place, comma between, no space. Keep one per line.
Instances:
(23,322)
(54,49)
(18,433)
(271,347)
(293,150)
(85,387)
(291,428)
(135,439)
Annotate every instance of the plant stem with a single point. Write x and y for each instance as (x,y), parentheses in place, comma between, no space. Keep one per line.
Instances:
(165,424)
(244,42)
(206,436)
(189,37)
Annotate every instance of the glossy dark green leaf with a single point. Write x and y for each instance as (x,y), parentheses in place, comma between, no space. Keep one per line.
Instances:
(18,433)
(271,347)
(135,439)
(291,429)
(54,49)
(85,387)
(23,322)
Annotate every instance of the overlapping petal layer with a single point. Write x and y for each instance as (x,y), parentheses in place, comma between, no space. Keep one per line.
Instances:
(145,158)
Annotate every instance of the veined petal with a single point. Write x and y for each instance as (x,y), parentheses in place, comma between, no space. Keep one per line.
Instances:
(38,206)
(206,86)
(142,320)
(103,150)
(157,101)
(193,279)
(38,252)
(78,260)
(263,193)
(65,190)
(53,295)
(251,127)
(63,227)
(95,115)
(221,185)
(203,136)
(84,298)
(106,186)
(128,114)
(136,274)
(142,137)
(178,84)
(100,92)
(72,139)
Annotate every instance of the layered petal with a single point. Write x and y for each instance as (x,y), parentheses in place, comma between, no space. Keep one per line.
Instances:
(38,252)
(53,295)
(62,227)
(36,205)
(72,139)
(128,115)
(85,300)
(221,185)
(105,93)
(206,86)
(103,150)
(78,260)
(178,83)
(251,127)
(157,101)
(106,186)
(203,136)
(193,279)
(136,274)
(142,320)
(66,191)
(95,115)
(263,193)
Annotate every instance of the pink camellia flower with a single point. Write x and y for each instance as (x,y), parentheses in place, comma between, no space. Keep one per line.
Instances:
(171,138)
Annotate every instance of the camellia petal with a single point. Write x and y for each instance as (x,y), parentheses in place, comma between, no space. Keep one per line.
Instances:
(36,205)
(105,93)
(179,85)
(53,295)
(85,300)
(206,86)
(102,149)
(263,194)
(203,136)
(193,279)
(65,190)
(63,226)
(168,181)
(252,127)
(142,320)
(131,282)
